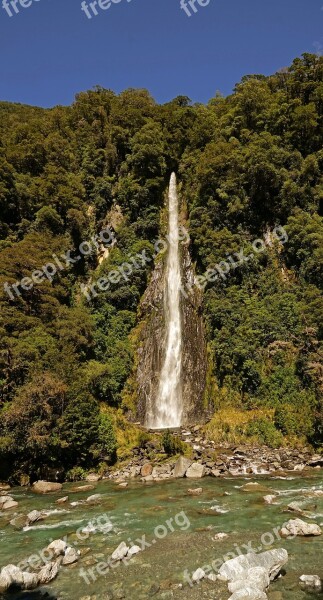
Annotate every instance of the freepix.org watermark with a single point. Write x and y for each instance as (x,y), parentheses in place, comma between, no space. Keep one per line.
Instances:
(90,9)
(12,7)
(191,6)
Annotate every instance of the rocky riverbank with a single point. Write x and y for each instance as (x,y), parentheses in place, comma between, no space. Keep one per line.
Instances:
(205,458)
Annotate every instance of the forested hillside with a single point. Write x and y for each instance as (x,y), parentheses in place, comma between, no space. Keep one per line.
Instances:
(247,163)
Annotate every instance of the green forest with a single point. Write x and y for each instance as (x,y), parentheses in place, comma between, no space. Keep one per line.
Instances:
(245,164)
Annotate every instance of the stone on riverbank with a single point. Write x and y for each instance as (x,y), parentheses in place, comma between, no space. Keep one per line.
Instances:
(181,466)
(195,471)
(46,487)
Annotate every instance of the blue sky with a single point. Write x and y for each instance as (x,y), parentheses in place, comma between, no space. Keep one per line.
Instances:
(51,50)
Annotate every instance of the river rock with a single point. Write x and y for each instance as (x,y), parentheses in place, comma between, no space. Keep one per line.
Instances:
(311,583)
(181,466)
(195,492)
(95,499)
(198,575)
(123,484)
(298,527)
(83,488)
(120,552)
(257,578)
(18,522)
(146,470)
(62,500)
(133,550)
(271,560)
(270,499)
(46,487)
(10,503)
(57,547)
(34,516)
(48,573)
(220,536)
(71,556)
(195,471)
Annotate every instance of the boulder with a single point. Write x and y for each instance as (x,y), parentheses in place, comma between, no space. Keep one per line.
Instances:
(120,552)
(57,547)
(34,516)
(10,503)
(257,578)
(195,471)
(48,573)
(71,556)
(30,580)
(46,487)
(10,575)
(146,470)
(181,466)
(123,484)
(296,527)
(272,561)
(311,583)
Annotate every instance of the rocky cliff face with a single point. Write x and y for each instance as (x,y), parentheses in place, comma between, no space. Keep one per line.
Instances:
(152,344)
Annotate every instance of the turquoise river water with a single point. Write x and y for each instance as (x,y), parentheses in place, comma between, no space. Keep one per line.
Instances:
(178,529)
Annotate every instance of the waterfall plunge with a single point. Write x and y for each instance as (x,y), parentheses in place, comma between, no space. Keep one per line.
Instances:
(169,406)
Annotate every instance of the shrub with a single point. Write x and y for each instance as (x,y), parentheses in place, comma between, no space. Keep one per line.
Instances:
(266,432)
(171,444)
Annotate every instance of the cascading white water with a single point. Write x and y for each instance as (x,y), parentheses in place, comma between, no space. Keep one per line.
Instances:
(168,406)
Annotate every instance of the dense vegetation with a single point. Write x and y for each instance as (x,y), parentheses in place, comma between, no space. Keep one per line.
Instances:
(247,163)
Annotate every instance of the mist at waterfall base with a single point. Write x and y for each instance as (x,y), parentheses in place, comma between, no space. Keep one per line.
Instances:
(168,407)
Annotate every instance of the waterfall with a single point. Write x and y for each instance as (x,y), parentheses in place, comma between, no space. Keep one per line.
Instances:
(168,406)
